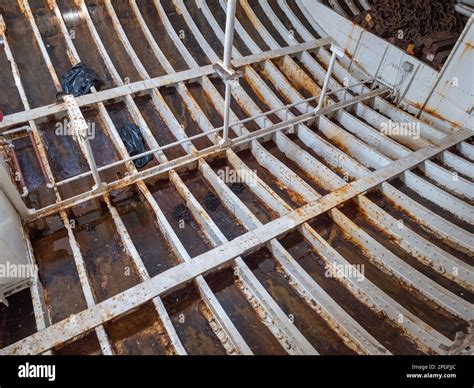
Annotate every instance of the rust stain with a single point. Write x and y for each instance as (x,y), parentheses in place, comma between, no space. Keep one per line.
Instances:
(467,47)
(436,114)
(298,76)
(347,53)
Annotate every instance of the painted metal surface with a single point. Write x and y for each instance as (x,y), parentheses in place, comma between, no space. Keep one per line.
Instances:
(315,165)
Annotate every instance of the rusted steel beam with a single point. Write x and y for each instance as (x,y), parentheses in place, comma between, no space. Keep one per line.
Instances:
(74,58)
(40,310)
(19,176)
(85,283)
(283,4)
(292,340)
(40,160)
(144,275)
(25,8)
(103,340)
(232,341)
(427,252)
(457,163)
(248,242)
(395,114)
(431,341)
(467,150)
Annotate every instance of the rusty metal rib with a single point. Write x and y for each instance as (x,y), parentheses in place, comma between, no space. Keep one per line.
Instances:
(176,343)
(103,339)
(357,148)
(139,294)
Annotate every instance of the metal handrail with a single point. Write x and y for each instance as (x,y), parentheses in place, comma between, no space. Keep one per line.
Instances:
(207,133)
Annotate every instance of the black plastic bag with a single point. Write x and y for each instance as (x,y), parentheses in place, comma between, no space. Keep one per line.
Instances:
(79,80)
(133,140)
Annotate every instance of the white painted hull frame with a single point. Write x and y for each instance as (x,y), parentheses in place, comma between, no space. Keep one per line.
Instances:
(369,157)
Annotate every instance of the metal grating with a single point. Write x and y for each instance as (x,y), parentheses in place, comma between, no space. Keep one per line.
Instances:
(319,192)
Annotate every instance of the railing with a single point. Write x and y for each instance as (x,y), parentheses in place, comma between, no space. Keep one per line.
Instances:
(214,131)
(311,113)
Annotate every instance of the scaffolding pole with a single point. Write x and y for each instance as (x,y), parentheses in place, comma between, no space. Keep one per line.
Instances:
(227,66)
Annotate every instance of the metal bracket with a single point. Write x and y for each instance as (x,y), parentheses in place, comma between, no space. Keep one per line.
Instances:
(226,73)
(339,51)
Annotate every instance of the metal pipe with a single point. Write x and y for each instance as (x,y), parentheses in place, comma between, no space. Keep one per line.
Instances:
(16,130)
(16,165)
(229,31)
(29,133)
(336,52)
(356,51)
(228,44)
(402,96)
(228,96)
(98,184)
(200,135)
(384,55)
(40,160)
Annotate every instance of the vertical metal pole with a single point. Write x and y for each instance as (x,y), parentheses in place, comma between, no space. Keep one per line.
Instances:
(229,40)
(229,31)
(405,91)
(379,67)
(336,52)
(92,164)
(228,96)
